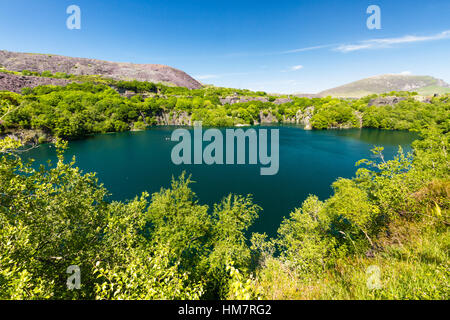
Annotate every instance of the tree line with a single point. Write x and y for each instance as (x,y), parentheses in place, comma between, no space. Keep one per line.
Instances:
(80,109)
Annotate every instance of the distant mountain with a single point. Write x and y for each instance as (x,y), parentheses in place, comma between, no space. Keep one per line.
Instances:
(16,61)
(424,85)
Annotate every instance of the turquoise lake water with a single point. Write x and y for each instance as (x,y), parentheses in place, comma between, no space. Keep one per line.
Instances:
(131,162)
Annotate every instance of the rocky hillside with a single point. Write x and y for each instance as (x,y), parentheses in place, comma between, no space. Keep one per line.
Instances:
(16,61)
(15,83)
(425,85)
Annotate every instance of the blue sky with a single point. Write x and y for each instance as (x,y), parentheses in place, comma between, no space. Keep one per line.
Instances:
(276,46)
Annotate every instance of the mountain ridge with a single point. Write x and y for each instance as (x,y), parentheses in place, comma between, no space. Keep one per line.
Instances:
(425,85)
(19,61)
(38,63)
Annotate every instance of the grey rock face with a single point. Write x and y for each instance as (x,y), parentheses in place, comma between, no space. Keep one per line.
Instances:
(237,99)
(15,83)
(282,100)
(383,101)
(176,119)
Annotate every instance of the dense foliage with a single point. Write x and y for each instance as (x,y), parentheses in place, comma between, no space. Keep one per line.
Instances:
(392,217)
(166,247)
(95,105)
(381,235)
(393,214)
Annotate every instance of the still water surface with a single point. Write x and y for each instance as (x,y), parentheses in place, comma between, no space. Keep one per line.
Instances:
(131,162)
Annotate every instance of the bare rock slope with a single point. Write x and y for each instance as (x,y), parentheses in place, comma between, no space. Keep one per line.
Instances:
(14,83)
(17,61)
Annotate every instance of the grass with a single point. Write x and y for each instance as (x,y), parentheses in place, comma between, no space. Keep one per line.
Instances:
(430,90)
(413,264)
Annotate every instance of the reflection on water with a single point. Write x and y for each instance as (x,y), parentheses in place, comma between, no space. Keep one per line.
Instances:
(375,136)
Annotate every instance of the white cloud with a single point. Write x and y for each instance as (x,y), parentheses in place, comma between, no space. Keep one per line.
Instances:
(361,45)
(295,68)
(405,73)
(389,42)
(262,54)
(306,49)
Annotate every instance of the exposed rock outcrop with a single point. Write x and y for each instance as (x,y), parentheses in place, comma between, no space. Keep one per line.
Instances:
(384,101)
(29,136)
(266,117)
(304,118)
(174,119)
(15,83)
(282,100)
(238,99)
(248,99)
(424,99)
(230,100)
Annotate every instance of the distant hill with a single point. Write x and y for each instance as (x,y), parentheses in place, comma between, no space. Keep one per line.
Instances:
(17,61)
(424,85)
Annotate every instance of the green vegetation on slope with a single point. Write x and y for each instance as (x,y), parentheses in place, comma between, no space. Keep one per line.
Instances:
(386,83)
(393,215)
(431,90)
(382,235)
(95,106)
